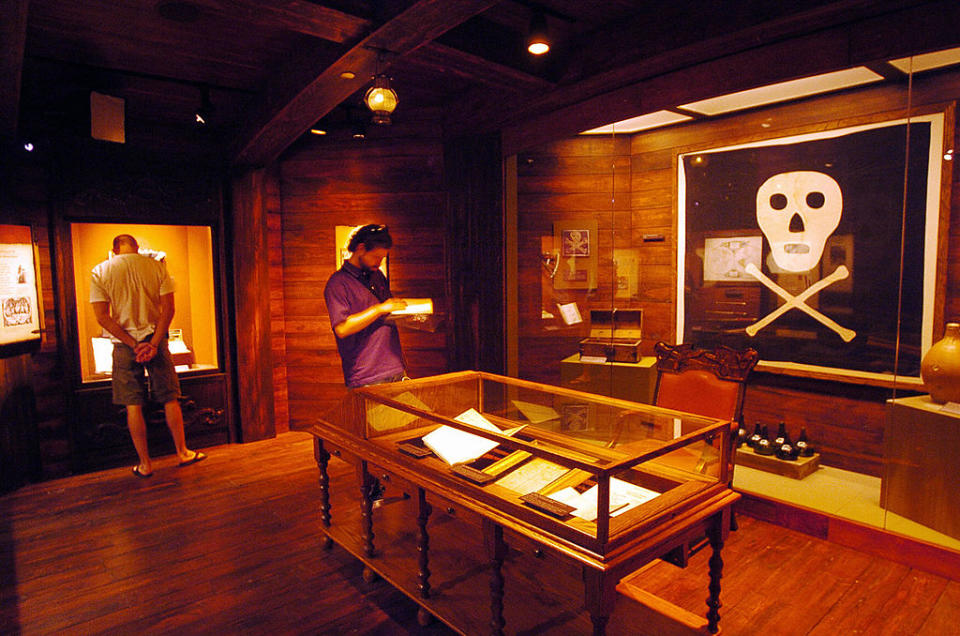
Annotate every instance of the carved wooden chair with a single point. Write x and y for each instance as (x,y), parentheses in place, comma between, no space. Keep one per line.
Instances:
(709,382)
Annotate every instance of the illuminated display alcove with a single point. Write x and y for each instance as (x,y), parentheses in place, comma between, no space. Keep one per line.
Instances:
(189,260)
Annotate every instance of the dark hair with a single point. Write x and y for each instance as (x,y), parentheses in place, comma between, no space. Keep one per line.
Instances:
(371,237)
(124,239)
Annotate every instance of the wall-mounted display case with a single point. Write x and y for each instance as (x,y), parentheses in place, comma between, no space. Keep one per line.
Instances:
(99,434)
(188,254)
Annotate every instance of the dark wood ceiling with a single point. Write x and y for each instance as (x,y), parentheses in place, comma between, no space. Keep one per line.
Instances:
(272,68)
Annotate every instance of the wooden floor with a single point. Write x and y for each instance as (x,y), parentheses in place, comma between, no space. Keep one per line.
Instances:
(230,546)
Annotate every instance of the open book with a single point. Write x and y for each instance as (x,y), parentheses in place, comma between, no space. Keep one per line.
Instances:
(460,447)
(414,306)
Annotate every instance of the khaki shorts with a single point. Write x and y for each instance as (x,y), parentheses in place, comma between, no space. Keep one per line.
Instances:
(130,387)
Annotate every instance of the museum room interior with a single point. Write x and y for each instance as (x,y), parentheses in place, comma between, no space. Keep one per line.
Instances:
(769,185)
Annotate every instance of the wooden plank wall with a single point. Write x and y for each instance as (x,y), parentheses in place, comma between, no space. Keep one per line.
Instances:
(26,200)
(251,276)
(278,344)
(585,178)
(397,182)
(571,179)
(110,184)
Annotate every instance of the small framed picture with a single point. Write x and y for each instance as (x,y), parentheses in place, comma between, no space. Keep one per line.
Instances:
(575,242)
(574,417)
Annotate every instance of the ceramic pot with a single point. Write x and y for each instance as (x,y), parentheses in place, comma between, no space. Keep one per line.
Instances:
(940,367)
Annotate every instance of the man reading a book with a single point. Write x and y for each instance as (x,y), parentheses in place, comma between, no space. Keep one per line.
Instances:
(358,301)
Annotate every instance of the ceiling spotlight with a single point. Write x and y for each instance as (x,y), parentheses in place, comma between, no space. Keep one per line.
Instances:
(29,147)
(381,99)
(316,130)
(358,130)
(202,115)
(537,41)
(348,75)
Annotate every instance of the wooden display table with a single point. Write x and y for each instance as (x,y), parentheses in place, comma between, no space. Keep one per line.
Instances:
(634,381)
(921,450)
(475,556)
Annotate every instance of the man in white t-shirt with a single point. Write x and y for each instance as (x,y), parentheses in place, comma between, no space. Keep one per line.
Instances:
(132,298)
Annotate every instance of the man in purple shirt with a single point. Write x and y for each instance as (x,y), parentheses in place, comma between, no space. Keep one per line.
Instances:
(358,301)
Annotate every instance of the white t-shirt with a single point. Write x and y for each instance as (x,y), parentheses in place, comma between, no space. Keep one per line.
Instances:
(133,285)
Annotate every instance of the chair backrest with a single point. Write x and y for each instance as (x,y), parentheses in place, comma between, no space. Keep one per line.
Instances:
(710,382)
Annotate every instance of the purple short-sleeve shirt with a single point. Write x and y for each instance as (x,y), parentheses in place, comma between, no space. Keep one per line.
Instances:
(373,354)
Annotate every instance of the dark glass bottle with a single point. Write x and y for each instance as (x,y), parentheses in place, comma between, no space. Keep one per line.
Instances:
(786,450)
(803,444)
(781,435)
(754,439)
(742,436)
(765,446)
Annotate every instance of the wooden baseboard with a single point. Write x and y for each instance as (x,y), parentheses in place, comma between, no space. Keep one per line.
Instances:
(879,542)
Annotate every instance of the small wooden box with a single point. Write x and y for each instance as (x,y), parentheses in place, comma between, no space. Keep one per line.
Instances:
(614,335)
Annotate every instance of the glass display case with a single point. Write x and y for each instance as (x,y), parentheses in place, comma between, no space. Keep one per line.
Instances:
(188,253)
(557,490)
(812,227)
(588,468)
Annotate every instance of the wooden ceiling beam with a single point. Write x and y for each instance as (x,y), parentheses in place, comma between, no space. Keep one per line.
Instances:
(13,34)
(448,60)
(281,121)
(293,15)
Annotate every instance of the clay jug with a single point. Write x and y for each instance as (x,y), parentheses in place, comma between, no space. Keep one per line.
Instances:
(940,367)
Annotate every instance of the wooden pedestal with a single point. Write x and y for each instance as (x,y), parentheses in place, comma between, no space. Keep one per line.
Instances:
(921,448)
(634,381)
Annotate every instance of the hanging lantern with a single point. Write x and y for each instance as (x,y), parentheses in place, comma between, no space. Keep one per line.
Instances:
(381,99)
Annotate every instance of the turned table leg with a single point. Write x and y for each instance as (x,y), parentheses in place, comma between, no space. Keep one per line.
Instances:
(497,550)
(423,545)
(599,598)
(323,459)
(715,535)
(366,509)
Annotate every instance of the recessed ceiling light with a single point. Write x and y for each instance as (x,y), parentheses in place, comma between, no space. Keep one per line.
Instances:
(643,122)
(928,61)
(348,75)
(538,42)
(783,91)
(318,131)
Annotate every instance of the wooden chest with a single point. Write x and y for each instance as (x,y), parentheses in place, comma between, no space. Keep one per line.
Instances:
(614,335)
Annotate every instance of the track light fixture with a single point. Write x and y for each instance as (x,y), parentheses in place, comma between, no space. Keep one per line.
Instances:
(537,41)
